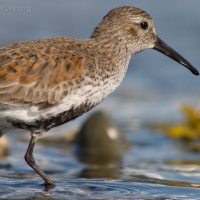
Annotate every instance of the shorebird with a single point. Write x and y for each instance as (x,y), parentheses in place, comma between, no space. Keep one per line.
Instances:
(48,82)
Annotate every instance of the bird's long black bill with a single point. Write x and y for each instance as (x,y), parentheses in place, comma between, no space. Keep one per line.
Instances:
(168,51)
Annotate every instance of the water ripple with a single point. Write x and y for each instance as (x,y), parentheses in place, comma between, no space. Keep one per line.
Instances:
(96,189)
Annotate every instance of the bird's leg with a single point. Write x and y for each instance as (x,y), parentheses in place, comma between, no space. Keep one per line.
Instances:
(31,162)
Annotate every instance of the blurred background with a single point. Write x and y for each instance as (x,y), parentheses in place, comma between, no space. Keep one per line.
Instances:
(151,95)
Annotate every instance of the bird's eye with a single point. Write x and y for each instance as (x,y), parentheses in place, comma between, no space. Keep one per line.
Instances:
(144,25)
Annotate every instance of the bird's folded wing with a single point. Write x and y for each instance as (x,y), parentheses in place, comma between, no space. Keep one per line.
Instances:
(33,75)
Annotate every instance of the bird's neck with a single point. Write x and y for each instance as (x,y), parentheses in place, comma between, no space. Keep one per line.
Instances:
(113,60)
(111,51)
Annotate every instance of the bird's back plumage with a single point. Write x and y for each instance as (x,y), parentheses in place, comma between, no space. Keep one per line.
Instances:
(39,73)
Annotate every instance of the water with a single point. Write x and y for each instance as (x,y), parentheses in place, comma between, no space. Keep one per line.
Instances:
(149,171)
(155,166)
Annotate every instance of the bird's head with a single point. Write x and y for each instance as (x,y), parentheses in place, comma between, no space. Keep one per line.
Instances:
(134,29)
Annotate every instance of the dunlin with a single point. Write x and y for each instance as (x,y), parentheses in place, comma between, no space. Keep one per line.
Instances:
(46,83)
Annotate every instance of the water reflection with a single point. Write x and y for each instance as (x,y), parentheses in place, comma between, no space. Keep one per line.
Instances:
(100,171)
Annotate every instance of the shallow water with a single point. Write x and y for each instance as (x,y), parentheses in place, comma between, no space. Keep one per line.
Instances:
(155,166)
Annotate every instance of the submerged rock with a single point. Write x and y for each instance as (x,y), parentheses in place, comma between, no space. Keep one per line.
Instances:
(99,141)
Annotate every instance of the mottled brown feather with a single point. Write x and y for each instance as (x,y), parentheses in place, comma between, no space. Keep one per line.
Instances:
(32,72)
